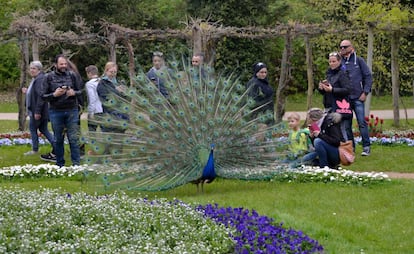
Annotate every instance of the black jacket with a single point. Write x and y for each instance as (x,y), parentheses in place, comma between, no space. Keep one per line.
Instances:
(261,92)
(56,79)
(36,104)
(341,87)
(330,129)
(106,90)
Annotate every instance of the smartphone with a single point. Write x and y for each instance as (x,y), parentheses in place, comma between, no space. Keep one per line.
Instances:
(64,87)
(314,127)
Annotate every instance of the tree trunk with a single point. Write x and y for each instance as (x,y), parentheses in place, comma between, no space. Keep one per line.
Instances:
(395,77)
(370,54)
(197,38)
(112,47)
(284,78)
(309,71)
(35,49)
(131,62)
(24,63)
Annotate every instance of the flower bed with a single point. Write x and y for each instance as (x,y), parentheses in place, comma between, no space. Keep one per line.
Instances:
(47,221)
(259,234)
(316,174)
(302,174)
(383,138)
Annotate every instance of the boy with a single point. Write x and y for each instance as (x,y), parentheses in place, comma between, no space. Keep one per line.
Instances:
(300,148)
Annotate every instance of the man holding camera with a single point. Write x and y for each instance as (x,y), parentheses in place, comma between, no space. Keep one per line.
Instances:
(63,92)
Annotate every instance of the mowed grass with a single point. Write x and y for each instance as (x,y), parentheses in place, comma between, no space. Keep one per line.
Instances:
(344,219)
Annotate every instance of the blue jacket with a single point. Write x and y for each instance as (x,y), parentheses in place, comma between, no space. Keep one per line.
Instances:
(359,74)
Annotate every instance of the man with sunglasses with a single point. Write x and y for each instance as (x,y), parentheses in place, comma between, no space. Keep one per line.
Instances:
(361,81)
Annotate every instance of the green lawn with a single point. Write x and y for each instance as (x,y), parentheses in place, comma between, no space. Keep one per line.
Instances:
(344,219)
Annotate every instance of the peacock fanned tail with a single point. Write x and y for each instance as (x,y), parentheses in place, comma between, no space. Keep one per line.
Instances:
(167,139)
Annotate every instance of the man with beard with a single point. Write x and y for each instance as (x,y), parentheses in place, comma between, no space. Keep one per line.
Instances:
(63,92)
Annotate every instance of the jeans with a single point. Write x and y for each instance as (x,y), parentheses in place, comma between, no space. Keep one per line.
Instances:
(306,159)
(68,120)
(328,154)
(40,125)
(346,129)
(359,109)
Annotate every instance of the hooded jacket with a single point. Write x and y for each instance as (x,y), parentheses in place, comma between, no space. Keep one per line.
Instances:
(359,74)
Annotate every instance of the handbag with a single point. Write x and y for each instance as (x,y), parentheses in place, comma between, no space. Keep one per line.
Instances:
(346,153)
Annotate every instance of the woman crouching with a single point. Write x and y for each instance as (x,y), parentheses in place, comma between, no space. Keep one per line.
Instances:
(325,132)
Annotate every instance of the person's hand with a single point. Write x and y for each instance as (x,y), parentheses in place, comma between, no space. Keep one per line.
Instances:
(24,90)
(320,87)
(70,92)
(37,116)
(328,88)
(121,88)
(363,97)
(59,91)
(316,133)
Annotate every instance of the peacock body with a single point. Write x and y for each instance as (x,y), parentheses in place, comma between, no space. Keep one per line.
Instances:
(169,140)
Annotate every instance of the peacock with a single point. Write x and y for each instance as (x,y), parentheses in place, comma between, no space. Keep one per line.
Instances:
(201,130)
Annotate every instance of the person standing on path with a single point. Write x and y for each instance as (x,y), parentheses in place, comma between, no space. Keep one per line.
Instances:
(94,103)
(63,91)
(361,82)
(335,90)
(37,109)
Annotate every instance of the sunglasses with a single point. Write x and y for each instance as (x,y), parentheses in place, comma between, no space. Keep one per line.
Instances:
(344,46)
(157,53)
(334,54)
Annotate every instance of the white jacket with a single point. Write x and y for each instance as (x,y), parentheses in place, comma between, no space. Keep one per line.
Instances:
(94,104)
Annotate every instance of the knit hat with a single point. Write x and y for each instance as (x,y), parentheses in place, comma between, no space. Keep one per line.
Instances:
(258,66)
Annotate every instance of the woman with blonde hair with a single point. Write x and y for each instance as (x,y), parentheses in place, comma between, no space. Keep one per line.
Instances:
(108,86)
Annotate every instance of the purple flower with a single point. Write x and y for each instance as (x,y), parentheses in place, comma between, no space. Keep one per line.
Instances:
(259,234)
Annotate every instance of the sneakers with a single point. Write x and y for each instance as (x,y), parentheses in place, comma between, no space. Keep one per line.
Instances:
(48,157)
(30,153)
(366,151)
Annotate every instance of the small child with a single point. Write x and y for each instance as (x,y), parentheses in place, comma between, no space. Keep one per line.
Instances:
(301,151)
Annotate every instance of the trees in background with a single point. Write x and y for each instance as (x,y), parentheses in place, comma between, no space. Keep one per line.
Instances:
(367,23)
